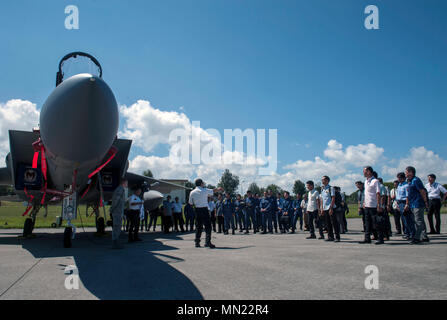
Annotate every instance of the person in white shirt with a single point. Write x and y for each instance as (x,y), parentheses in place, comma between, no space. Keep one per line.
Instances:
(434,190)
(385,194)
(177,215)
(313,211)
(393,207)
(372,206)
(198,198)
(135,204)
(328,206)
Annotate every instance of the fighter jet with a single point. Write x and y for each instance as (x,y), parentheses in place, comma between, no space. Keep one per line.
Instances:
(75,156)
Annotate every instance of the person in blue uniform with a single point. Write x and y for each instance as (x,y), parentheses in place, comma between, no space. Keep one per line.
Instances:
(405,213)
(417,202)
(258,212)
(250,216)
(276,201)
(266,208)
(189,216)
(297,213)
(239,205)
(228,212)
(286,212)
(219,212)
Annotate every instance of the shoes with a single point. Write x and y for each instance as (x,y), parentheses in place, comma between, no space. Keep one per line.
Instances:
(264,232)
(233,232)
(225,232)
(379,242)
(311,237)
(210,245)
(271,232)
(320,237)
(365,241)
(415,241)
(329,239)
(426,240)
(246,232)
(197,244)
(432,232)
(337,240)
(291,232)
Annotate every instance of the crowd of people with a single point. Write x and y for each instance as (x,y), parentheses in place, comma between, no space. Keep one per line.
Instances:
(321,212)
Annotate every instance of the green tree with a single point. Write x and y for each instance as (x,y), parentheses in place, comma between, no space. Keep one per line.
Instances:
(299,187)
(275,189)
(390,185)
(148,173)
(229,182)
(254,188)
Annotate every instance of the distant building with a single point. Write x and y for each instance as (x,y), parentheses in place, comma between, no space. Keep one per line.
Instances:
(180,193)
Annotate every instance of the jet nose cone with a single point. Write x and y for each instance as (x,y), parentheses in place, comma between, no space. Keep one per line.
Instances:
(79,120)
(152,199)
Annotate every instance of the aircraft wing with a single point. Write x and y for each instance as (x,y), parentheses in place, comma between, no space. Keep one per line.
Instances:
(154,184)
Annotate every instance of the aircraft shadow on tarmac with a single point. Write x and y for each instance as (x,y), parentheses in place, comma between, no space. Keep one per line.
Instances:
(134,272)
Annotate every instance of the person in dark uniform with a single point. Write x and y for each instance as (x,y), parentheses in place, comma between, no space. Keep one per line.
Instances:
(189,216)
(250,215)
(219,213)
(297,213)
(239,205)
(258,212)
(286,211)
(360,197)
(277,214)
(266,208)
(228,211)
(153,216)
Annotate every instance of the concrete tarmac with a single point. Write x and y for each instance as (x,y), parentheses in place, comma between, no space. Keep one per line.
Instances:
(254,266)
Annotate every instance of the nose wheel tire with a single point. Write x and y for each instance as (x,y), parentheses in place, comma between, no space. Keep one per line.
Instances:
(28,227)
(100,226)
(68,233)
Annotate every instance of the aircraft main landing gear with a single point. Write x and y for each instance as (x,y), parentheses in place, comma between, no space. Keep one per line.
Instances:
(68,234)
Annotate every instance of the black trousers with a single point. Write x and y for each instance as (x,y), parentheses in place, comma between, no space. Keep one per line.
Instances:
(213,220)
(189,222)
(397,223)
(178,220)
(314,222)
(144,221)
(434,208)
(134,224)
(220,224)
(203,219)
(167,223)
(332,224)
(374,223)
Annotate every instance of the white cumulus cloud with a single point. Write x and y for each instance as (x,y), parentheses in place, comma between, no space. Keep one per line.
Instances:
(15,114)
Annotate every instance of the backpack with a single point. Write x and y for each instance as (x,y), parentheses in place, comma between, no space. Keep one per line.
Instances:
(338,200)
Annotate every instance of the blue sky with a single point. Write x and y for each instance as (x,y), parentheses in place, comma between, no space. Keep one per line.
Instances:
(308,68)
